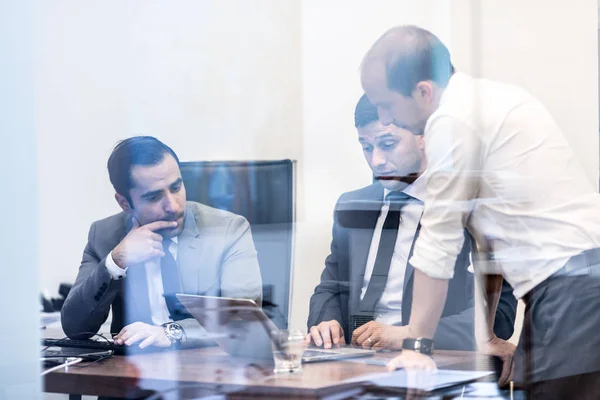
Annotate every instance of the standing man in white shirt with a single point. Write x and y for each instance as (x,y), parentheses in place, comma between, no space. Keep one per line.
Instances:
(159,245)
(500,166)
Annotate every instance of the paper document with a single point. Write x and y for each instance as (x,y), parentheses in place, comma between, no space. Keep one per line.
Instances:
(423,379)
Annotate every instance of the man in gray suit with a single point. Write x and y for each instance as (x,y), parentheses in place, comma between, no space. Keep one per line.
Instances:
(159,245)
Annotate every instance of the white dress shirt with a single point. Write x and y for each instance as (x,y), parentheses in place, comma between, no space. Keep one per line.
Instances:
(389,307)
(499,164)
(158,304)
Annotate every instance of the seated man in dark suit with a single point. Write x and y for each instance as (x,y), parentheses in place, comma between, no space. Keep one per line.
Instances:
(159,245)
(365,293)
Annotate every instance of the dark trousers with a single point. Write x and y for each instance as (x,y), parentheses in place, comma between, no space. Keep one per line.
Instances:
(558,356)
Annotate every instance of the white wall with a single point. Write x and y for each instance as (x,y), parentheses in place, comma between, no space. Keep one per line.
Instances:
(213,79)
(251,79)
(548,47)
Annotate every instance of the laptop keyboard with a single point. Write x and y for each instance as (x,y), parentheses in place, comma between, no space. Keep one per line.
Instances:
(98,345)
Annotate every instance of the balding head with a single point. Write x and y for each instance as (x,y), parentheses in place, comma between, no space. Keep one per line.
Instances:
(403,75)
(409,55)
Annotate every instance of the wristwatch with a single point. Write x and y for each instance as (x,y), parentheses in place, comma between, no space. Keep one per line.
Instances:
(420,345)
(174,333)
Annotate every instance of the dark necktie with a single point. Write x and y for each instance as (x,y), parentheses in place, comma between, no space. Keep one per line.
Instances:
(171,282)
(381,268)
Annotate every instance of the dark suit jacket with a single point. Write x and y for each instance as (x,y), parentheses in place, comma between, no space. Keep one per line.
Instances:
(215,257)
(338,294)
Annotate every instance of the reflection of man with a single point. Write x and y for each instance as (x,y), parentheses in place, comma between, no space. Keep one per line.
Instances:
(542,226)
(135,261)
(366,289)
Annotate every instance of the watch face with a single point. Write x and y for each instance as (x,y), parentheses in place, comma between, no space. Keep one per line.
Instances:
(175,331)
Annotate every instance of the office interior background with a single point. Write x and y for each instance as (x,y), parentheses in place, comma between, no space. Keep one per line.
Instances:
(230,80)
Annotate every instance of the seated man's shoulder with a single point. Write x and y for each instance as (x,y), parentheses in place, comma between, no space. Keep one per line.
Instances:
(210,216)
(111,226)
(365,196)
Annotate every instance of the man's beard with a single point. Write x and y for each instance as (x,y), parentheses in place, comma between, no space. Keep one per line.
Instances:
(171,232)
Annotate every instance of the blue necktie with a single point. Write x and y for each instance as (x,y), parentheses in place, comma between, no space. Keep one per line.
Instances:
(171,283)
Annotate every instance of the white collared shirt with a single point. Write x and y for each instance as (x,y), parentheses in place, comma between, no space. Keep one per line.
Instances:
(389,308)
(158,304)
(499,164)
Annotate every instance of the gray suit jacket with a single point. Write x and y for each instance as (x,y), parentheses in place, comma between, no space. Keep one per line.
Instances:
(337,296)
(215,256)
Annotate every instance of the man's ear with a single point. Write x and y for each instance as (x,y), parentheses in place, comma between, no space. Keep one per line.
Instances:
(123,202)
(424,92)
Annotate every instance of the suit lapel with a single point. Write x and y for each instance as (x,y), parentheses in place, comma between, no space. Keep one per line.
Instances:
(409,268)
(189,253)
(359,217)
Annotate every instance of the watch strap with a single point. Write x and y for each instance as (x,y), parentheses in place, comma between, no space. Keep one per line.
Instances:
(419,345)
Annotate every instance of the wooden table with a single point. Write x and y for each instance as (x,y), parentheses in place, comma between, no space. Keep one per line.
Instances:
(197,372)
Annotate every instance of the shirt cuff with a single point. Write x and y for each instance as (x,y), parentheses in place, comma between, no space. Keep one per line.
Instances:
(115,272)
(437,268)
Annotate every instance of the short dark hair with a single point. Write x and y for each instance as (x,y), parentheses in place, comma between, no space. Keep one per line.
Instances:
(137,150)
(412,55)
(365,112)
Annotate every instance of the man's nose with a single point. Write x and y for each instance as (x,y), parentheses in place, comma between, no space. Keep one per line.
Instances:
(170,204)
(378,159)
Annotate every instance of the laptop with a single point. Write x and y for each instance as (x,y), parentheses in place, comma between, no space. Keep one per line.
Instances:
(54,356)
(246,331)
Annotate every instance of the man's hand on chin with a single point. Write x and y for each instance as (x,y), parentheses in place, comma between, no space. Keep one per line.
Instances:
(375,335)
(149,335)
